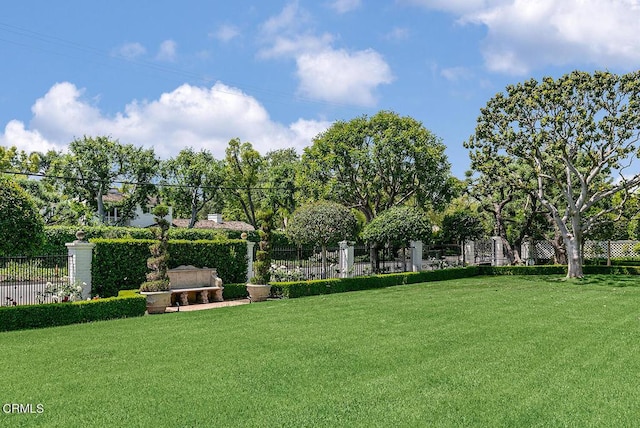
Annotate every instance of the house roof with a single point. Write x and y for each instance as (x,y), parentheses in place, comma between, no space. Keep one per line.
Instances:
(210,224)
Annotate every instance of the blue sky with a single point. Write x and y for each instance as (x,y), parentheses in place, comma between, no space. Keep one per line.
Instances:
(169,74)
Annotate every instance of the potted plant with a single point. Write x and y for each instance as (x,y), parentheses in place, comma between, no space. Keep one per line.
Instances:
(258,287)
(156,287)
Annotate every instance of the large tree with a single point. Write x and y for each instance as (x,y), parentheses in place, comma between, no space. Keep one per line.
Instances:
(243,170)
(322,223)
(93,165)
(375,163)
(577,134)
(192,179)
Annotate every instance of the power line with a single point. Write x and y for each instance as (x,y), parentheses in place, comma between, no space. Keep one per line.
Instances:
(55,41)
(133,183)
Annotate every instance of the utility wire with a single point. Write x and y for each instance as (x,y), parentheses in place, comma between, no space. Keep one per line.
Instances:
(133,183)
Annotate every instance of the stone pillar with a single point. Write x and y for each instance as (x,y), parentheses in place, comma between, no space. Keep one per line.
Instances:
(497,257)
(346,259)
(80,256)
(250,246)
(416,256)
(527,251)
(469,253)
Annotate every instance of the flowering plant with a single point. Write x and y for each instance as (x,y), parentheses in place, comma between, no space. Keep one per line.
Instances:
(64,291)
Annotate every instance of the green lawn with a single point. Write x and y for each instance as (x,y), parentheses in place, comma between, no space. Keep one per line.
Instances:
(500,351)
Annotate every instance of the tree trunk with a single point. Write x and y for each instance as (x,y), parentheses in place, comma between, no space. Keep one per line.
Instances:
(574,257)
(324,261)
(373,257)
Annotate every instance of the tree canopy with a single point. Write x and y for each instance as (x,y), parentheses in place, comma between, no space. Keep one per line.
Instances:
(195,179)
(577,136)
(398,225)
(375,163)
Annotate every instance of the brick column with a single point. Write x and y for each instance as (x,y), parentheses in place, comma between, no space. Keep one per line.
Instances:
(80,256)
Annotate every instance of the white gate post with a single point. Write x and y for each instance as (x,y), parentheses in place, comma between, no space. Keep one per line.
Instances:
(416,256)
(469,253)
(345,259)
(250,246)
(497,258)
(80,256)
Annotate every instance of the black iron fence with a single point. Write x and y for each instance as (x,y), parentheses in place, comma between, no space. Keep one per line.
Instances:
(31,280)
(304,263)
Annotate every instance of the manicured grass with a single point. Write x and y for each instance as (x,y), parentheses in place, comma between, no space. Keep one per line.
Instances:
(485,351)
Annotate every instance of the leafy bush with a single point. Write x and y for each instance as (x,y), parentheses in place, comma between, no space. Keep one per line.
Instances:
(197,234)
(234,291)
(21,226)
(122,263)
(57,236)
(398,225)
(340,285)
(524,270)
(56,314)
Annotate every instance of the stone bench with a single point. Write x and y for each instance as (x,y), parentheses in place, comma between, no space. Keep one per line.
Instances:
(202,282)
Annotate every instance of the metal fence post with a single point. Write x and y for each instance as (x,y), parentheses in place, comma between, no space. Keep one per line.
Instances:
(80,257)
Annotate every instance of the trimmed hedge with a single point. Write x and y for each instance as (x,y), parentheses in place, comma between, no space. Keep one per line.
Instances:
(234,291)
(57,236)
(340,285)
(120,264)
(558,270)
(524,270)
(57,314)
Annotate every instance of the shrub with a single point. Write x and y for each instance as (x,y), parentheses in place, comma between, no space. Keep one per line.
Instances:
(21,226)
(57,236)
(56,314)
(121,263)
(234,291)
(340,285)
(524,270)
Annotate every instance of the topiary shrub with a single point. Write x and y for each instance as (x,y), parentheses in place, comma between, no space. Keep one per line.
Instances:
(158,279)
(262,264)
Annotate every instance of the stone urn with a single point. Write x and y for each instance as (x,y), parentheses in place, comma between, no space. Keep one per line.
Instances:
(258,292)
(157,301)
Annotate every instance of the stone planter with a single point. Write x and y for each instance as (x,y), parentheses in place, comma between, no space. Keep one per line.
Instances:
(157,301)
(258,292)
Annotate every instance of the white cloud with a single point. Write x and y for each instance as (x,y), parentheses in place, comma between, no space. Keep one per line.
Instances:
(290,20)
(167,51)
(341,76)
(344,6)
(226,33)
(398,33)
(523,34)
(30,141)
(454,74)
(324,72)
(130,50)
(189,116)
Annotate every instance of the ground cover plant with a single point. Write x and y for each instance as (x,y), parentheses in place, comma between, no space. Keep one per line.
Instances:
(482,351)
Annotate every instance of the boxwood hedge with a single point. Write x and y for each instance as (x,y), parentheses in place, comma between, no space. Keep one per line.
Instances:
(120,264)
(55,314)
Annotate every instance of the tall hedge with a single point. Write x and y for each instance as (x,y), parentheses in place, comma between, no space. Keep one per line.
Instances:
(120,264)
(57,236)
(21,225)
